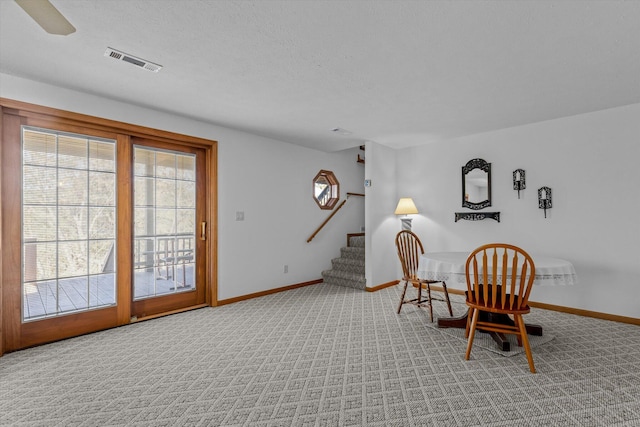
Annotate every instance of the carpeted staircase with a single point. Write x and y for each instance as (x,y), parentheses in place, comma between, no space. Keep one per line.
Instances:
(348,270)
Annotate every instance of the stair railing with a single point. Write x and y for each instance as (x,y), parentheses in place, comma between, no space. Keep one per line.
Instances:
(332,214)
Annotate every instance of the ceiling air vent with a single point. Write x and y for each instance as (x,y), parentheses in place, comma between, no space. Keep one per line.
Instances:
(139,62)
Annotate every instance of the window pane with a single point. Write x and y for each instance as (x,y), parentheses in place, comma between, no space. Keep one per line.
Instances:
(186,194)
(165,165)
(72,152)
(73,294)
(40,257)
(144,162)
(102,189)
(72,259)
(165,222)
(143,253)
(102,223)
(39,148)
(72,187)
(102,290)
(101,256)
(40,299)
(186,221)
(144,222)
(73,223)
(39,185)
(186,168)
(39,224)
(144,193)
(165,193)
(102,156)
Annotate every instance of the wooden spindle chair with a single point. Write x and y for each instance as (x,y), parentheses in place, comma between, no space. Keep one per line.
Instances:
(499,281)
(409,250)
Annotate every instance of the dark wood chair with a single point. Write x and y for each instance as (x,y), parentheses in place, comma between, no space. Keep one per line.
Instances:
(499,281)
(409,251)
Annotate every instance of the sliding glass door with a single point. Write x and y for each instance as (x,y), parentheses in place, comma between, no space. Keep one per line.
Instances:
(99,229)
(169,228)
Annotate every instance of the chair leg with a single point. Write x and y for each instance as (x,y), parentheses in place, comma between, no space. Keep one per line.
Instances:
(429,301)
(525,342)
(446,296)
(469,317)
(404,291)
(472,333)
(516,323)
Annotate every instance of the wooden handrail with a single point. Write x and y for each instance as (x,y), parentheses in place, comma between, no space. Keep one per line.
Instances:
(332,214)
(326,221)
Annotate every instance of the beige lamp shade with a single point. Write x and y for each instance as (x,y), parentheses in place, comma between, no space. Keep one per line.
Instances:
(406,207)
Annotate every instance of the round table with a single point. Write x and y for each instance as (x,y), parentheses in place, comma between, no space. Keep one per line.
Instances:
(450,267)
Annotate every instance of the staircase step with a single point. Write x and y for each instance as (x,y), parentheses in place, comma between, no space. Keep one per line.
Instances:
(346,279)
(352,252)
(351,265)
(356,241)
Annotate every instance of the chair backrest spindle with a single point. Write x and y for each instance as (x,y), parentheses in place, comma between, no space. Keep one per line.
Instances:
(409,251)
(501,275)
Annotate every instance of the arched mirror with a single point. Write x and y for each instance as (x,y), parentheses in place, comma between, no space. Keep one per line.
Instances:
(326,189)
(476,184)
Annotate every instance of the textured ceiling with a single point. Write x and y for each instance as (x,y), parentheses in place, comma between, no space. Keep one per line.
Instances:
(400,73)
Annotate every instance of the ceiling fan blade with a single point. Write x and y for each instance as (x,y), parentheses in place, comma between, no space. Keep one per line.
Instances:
(47,16)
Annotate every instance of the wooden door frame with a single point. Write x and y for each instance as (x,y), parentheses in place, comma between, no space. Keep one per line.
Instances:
(15,113)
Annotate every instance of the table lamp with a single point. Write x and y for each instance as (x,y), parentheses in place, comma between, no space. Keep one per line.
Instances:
(406,207)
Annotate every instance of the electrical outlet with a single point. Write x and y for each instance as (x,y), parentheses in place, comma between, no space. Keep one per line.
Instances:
(286,268)
(239,215)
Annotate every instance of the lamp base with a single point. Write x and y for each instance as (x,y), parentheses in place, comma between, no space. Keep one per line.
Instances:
(406,223)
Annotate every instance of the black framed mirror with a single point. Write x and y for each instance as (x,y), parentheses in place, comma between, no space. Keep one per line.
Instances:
(476,184)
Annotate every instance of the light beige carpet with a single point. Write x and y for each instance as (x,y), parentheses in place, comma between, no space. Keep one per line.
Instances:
(322,355)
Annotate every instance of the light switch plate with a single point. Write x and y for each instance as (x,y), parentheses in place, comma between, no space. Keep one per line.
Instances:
(239,216)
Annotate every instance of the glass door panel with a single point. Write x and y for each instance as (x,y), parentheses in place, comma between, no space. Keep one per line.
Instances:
(164,222)
(68,223)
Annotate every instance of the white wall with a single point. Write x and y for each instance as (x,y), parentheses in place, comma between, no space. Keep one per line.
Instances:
(381,200)
(590,161)
(270,181)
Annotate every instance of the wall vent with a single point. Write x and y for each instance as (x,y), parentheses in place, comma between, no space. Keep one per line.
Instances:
(138,62)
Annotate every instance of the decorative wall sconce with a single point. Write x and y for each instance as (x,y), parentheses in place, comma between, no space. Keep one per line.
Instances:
(406,207)
(544,199)
(519,182)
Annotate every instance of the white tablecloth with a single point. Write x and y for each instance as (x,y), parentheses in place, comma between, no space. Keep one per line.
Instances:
(449,267)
